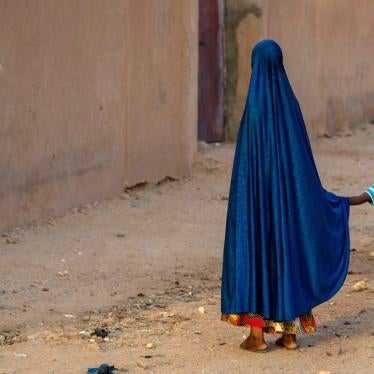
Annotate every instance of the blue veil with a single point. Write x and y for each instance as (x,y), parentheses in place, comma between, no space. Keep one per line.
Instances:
(287,242)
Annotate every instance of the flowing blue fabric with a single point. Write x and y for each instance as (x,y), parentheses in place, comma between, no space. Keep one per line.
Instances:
(287,242)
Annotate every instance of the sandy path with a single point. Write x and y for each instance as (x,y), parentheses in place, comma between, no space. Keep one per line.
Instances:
(166,242)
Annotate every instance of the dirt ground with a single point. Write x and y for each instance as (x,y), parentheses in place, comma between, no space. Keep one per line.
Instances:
(142,264)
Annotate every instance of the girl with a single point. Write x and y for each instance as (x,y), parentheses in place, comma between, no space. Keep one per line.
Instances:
(287,239)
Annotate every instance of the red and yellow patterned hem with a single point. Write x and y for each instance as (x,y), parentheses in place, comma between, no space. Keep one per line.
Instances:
(304,324)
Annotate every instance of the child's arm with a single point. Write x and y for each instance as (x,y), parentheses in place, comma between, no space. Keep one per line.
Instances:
(358,200)
(366,197)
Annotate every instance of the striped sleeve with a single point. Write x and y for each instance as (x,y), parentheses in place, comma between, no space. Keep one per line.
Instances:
(370,192)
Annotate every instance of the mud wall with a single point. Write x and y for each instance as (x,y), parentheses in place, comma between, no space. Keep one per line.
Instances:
(328,58)
(94,95)
(243,29)
(327,55)
(161,88)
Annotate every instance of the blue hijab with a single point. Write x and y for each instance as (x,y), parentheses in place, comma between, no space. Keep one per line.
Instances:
(286,246)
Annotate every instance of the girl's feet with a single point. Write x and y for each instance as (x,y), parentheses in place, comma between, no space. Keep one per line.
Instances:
(255,341)
(253,345)
(287,341)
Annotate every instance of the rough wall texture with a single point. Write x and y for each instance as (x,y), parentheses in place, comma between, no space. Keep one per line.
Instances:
(243,29)
(161,87)
(329,58)
(327,55)
(94,95)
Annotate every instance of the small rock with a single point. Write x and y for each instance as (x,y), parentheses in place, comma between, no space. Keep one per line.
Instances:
(45,289)
(347,323)
(11,240)
(120,234)
(360,286)
(141,364)
(150,345)
(201,310)
(2,339)
(166,314)
(106,339)
(20,354)
(324,372)
(63,274)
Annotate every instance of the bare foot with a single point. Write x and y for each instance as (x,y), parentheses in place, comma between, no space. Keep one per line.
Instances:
(288,341)
(254,345)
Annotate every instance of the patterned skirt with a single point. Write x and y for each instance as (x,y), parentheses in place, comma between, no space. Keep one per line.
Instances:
(304,324)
